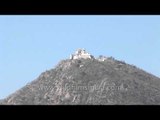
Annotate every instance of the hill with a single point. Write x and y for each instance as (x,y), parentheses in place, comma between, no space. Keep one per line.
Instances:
(85,80)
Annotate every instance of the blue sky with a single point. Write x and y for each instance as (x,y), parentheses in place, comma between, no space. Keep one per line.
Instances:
(30,45)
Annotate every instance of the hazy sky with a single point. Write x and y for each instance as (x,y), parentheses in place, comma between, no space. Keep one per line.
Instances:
(30,45)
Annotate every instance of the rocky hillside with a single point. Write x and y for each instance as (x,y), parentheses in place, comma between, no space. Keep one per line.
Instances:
(85,81)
